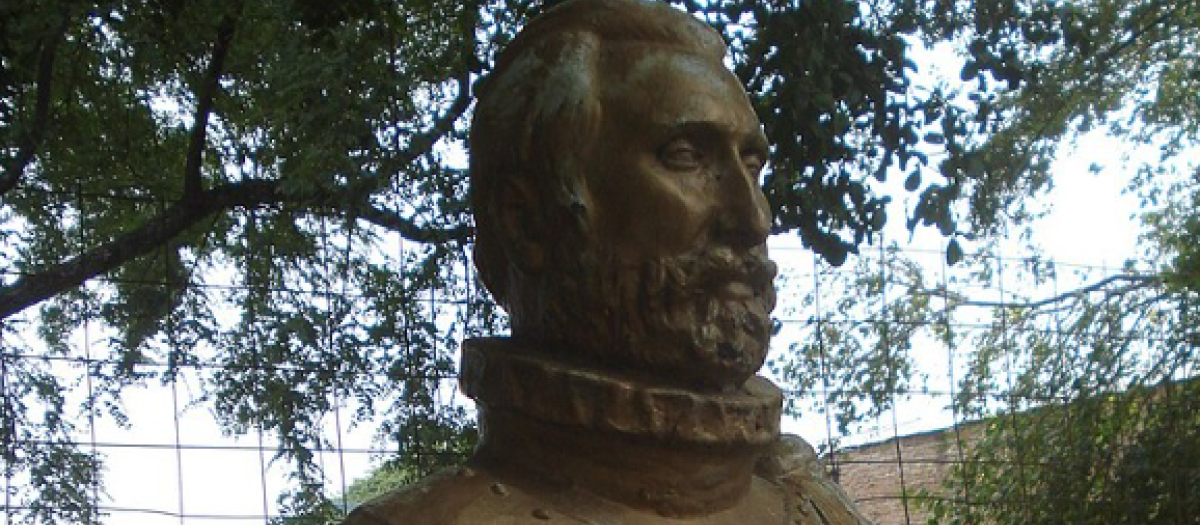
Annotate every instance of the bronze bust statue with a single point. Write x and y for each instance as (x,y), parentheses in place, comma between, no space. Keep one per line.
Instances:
(615,166)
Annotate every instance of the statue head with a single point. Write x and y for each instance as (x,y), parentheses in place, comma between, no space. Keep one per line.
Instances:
(615,168)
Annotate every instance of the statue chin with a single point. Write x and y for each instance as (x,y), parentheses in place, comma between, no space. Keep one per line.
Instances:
(701,320)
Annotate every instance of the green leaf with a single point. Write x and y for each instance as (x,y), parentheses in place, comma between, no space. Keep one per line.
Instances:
(970,70)
(954,253)
(913,181)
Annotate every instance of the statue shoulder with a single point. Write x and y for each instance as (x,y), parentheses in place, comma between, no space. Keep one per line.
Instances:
(815,499)
(454,496)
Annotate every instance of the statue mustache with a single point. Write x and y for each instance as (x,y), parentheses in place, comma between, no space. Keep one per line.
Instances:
(715,267)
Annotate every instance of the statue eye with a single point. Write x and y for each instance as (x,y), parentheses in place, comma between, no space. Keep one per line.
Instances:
(681,155)
(754,161)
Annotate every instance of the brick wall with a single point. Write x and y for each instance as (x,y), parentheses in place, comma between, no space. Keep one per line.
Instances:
(875,476)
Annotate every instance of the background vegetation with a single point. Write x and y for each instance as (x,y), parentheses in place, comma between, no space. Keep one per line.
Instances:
(286,148)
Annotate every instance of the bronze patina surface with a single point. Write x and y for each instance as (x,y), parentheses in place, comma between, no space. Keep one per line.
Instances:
(614,169)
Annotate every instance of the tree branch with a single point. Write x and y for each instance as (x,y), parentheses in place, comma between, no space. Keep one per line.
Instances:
(205,93)
(419,144)
(1101,60)
(422,143)
(32,140)
(198,204)
(408,229)
(32,289)
(1135,280)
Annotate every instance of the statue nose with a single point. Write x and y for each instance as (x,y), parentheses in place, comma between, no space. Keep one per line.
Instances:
(744,219)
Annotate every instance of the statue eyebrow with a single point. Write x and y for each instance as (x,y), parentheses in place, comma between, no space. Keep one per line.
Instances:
(713,131)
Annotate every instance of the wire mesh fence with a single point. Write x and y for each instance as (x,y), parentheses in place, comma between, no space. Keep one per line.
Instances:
(933,391)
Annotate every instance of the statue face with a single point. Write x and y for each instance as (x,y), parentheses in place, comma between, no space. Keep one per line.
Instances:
(675,166)
(679,224)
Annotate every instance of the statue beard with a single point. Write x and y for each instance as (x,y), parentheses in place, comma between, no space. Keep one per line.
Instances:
(667,320)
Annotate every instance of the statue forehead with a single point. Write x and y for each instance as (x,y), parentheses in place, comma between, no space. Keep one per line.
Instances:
(670,86)
(648,67)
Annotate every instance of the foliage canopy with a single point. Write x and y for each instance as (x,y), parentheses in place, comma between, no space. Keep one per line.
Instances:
(1088,391)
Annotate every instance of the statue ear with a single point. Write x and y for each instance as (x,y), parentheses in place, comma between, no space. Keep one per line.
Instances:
(522,225)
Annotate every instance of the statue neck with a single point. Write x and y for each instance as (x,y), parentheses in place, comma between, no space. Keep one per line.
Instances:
(662,449)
